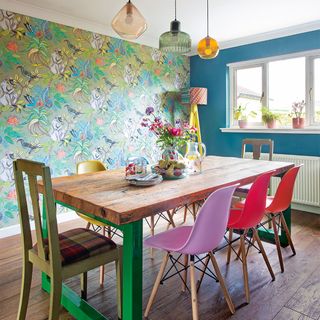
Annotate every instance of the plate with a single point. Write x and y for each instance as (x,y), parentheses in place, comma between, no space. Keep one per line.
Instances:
(145,180)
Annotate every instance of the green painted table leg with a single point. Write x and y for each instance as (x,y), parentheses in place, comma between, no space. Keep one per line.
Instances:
(132,271)
(287,217)
(268,235)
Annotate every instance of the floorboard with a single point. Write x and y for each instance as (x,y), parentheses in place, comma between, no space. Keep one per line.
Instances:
(294,295)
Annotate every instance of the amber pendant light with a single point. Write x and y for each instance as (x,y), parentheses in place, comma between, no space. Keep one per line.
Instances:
(129,22)
(208,47)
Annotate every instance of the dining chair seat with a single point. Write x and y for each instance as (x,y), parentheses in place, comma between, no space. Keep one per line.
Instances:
(240,204)
(79,244)
(171,240)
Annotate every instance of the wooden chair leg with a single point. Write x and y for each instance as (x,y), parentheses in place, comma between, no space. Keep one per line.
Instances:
(84,285)
(185,213)
(255,234)
(152,234)
(206,262)
(194,211)
(194,299)
(229,247)
(286,230)
(156,284)
(25,289)
(277,241)
(170,217)
(119,284)
(109,231)
(244,268)
(55,298)
(222,284)
(185,273)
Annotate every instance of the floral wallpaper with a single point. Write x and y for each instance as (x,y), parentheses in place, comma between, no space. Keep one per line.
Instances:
(67,95)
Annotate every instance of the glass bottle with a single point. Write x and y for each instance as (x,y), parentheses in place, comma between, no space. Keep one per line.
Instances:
(194,158)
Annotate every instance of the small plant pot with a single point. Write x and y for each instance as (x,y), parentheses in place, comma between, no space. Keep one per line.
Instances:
(242,124)
(297,123)
(272,124)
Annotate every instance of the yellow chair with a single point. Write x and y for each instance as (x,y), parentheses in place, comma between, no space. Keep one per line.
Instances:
(60,256)
(87,167)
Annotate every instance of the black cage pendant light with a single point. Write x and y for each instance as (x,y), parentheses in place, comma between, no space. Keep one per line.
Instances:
(175,40)
(208,47)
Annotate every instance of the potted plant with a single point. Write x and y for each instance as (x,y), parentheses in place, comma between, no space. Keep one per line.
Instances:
(241,116)
(296,114)
(269,118)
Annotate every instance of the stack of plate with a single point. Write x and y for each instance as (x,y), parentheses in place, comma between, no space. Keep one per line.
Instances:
(144,180)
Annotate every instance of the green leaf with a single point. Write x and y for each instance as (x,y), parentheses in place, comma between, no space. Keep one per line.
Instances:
(8,139)
(9,214)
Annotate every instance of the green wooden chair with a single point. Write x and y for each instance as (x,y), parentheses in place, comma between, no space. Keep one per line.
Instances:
(60,256)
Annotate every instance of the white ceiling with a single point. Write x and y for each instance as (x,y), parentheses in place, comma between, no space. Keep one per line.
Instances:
(233,22)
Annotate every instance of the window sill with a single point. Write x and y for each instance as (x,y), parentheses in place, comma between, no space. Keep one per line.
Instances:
(279,130)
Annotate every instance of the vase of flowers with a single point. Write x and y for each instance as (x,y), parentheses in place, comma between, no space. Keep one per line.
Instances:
(170,138)
(296,114)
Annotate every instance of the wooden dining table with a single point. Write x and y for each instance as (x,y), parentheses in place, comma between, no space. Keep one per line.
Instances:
(108,197)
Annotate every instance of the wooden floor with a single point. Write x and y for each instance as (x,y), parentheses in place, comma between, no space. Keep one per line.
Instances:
(294,295)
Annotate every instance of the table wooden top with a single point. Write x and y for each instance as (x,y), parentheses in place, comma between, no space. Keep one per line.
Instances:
(107,194)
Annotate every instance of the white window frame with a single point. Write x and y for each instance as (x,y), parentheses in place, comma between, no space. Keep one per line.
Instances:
(309,56)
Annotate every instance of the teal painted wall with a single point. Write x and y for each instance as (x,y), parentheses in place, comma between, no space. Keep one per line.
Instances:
(68,95)
(212,74)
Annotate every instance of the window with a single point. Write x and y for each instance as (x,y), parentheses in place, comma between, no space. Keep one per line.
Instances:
(275,84)
(316,97)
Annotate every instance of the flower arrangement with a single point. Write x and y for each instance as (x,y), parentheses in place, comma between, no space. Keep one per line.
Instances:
(297,109)
(169,136)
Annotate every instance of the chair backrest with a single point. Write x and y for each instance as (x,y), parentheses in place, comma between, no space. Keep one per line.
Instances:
(210,225)
(256,147)
(32,170)
(284,193)
(255,203)
(90,166)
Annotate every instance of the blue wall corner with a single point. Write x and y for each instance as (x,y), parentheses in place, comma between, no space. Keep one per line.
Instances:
(212,74)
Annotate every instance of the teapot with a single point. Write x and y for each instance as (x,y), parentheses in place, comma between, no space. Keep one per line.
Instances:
(194,157)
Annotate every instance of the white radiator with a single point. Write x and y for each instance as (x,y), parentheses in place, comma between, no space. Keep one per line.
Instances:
(307,187)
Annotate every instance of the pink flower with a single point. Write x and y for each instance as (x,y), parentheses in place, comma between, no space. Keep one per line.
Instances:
(60,88)
(61,154)
(12,194)
(99,121)
(176,132)
(13,121)
(99,62)
(12,46)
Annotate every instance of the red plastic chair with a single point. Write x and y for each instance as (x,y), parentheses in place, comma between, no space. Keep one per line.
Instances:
(246,220)
(275,205)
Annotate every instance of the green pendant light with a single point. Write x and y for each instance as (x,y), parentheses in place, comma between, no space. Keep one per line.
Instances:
(175,40)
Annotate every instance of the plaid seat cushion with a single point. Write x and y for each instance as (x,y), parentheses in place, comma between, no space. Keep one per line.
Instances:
(78,244)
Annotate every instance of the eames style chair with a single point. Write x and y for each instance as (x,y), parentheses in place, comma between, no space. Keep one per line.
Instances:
(88,167)
(59,256)
(206,234)
(275,205)
(246,220)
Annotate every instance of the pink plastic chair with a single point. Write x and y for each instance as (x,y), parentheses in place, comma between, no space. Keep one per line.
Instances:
(246,220)
(203,237)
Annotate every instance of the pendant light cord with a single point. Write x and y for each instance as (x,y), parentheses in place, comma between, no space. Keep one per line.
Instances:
(207,18)
(175,9)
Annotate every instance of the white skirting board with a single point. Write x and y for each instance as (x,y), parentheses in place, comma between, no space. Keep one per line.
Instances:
(15,229)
